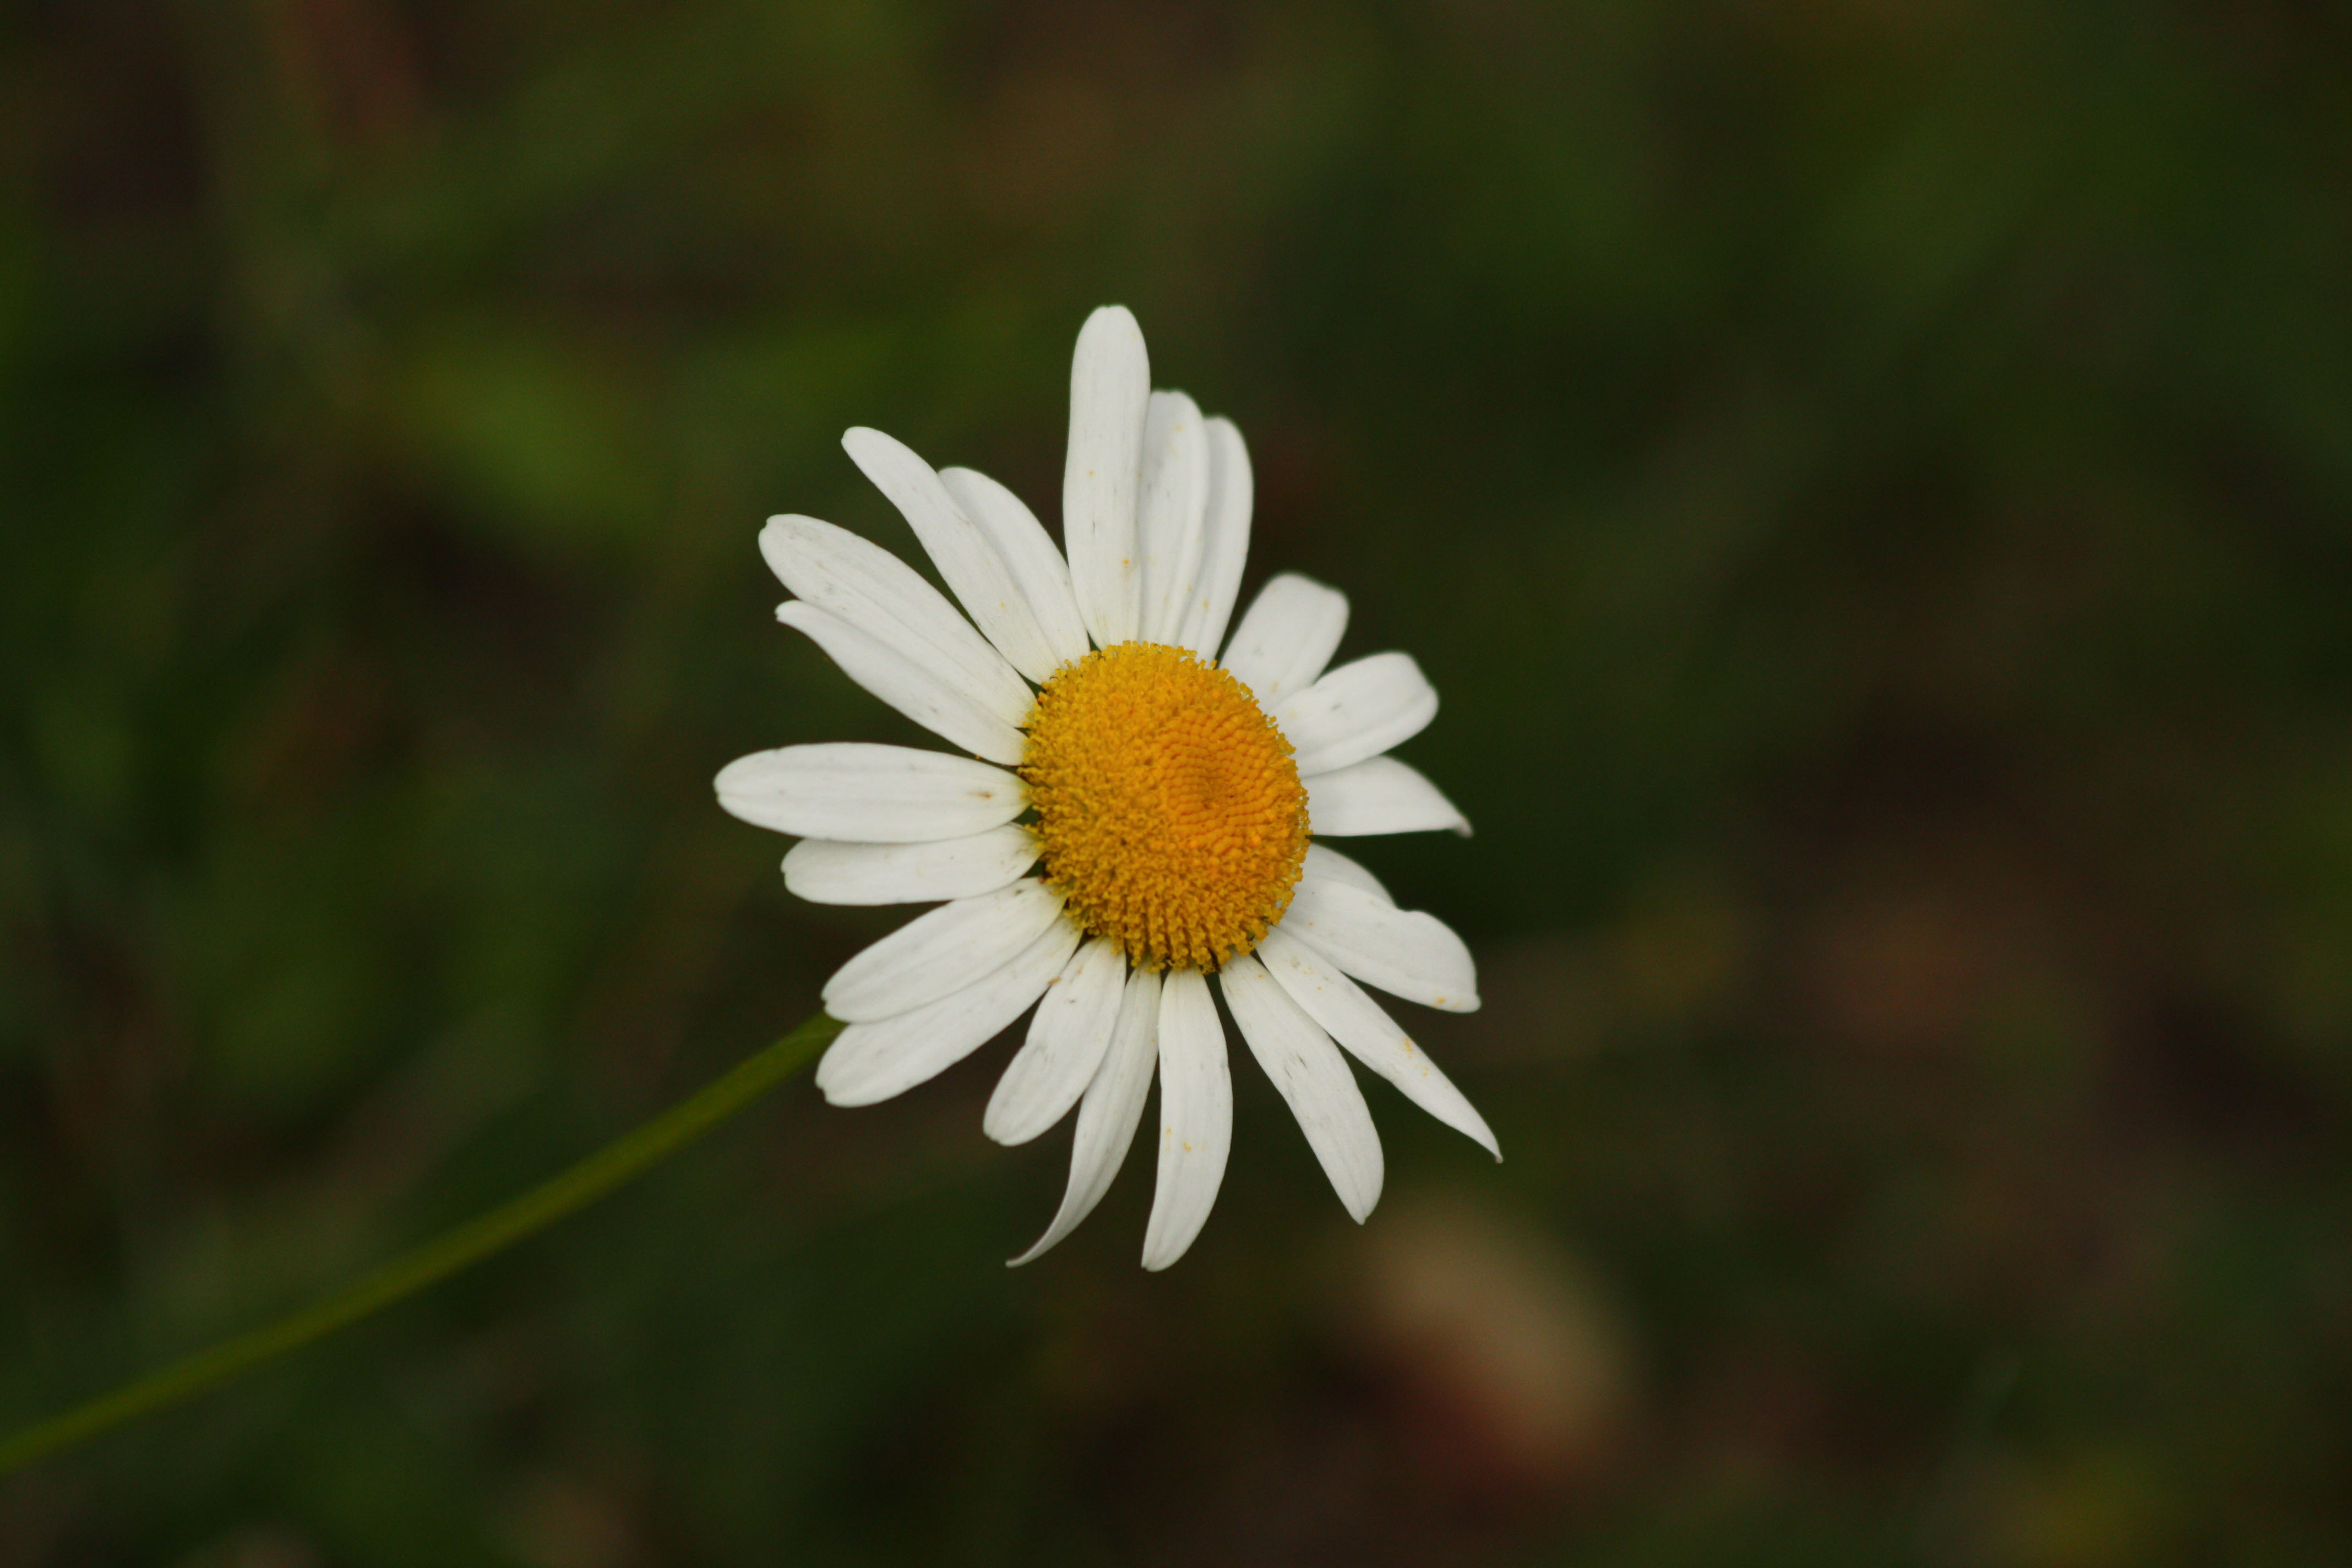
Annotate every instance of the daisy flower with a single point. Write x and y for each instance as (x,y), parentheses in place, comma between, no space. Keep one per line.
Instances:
(1151,815)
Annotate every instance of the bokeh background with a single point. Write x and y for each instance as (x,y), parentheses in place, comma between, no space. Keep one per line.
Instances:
(1871,479)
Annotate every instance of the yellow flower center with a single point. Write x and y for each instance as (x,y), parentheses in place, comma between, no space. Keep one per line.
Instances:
(1170,813)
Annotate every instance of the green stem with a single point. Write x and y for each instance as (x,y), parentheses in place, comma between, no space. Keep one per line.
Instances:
(472,1242)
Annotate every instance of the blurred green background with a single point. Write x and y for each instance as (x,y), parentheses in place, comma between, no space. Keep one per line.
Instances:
(1871,479)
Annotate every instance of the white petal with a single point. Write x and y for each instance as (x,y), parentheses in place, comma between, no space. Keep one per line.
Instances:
(1169,511)
(869,794)
(1286,637)
(942,951)
(883,598)
(869,1062)
(1322,862)
(1112,1109)
(1314,1081)
(1356,712)
(964,552)
(1224,542)
(1067,1041)
(1110,383)
(1405,953)
(827,871)
(1379,795)
(912,680)
(1372,1037)
(1037,568)
(1196,1117)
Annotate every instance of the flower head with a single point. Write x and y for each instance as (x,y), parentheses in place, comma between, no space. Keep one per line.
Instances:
(1161,821)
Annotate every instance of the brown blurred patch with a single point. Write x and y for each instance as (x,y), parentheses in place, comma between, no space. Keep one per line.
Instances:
(1758,1407)
(1074,97)
(1497,1349)
(1901,968)
(558,1521)
(1918,928)
(2100,1508)
(1041,143)
(328,724)
(353,65)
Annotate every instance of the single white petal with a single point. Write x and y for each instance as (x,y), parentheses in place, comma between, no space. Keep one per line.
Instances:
(1037,568)
(1110,383)
(942,951)
(1112,1109)
(1314,1081)
(1356,712)
(1066,1045)
(870,1062)
(1322,862)
(827,871)
(1379,795)
(1224,541)
(869,794)
(965,553)
(1405,953)
(883,598)
(912,680)
(1196,1117)
(1169,511)
(1285,639)
(1372,1037)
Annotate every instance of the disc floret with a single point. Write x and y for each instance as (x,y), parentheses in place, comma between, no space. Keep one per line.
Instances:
(1170,813)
